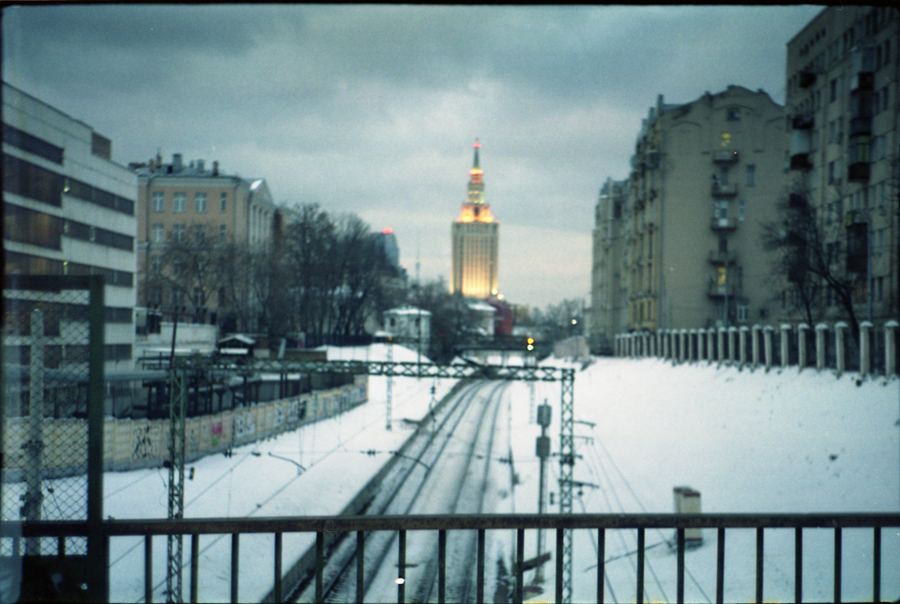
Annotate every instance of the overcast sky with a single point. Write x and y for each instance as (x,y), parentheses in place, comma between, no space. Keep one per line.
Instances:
(374,109)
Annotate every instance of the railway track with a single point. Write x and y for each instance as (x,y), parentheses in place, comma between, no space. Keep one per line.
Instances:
(446,470)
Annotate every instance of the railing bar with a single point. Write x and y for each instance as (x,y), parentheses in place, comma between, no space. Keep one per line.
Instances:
(195,566)
(148,568)
(235,549)
(679,593)
(442,566)
(479,591)
(279,548)
(360,566)
(401,567)
(61,547)
(837,563)
(640,566)
(760,548)
(876,565)
(798,564)
(520,562)
(560,538)
(720,566)
(320,562)
(601,563)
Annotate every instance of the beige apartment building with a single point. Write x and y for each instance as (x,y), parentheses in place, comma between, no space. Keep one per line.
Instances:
(684,230)
(609,310)
(195,203)
(842,112)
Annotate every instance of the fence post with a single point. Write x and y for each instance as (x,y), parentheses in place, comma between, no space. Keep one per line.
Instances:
(865,350)
(767,345)
(692,345)
(710,344)
(720,342)
(890,348)
(801,346)
(755,346)
(840,363)
(821,361)
(785,345)
(732,343)
(742,343)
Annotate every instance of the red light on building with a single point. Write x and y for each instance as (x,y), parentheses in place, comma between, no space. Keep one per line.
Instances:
(387,231)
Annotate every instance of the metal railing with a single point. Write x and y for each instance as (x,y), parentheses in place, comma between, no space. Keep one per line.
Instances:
(326,527)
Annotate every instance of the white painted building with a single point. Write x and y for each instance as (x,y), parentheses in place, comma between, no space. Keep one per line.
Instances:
(68,209)
(409,325)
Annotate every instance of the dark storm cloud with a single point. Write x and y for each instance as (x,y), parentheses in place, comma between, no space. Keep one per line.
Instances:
(373,108)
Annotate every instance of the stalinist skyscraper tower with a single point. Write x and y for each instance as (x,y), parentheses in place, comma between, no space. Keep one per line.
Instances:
(476,239)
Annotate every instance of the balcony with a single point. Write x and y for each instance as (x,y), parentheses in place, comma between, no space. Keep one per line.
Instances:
(722,224)
(807,79)
(800,161)
(860,126)
(724,189)
(725,156)
(328,529)
(722,258)
(802,122)
(720,291)
(858,172)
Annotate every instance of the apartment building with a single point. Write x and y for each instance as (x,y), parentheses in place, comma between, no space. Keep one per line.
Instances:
(842,113)
(608,313)
(196,204)
(685,232)
(68,209)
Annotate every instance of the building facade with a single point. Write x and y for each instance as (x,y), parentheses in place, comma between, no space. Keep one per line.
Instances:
(475,242)
(196,205)
(608,312)
(841,101)
(705,177)
(68,209)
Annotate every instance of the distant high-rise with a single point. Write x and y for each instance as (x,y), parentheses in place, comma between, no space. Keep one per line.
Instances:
(476,238)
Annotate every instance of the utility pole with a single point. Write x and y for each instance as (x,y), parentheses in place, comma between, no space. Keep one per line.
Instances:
(390,383)
(543,452)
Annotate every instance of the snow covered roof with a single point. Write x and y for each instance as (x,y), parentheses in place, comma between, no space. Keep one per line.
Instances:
(239,338)
(479,306)
(408,310)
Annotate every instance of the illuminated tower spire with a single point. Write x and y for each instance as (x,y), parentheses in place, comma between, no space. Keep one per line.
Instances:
(476,184)
(475,236)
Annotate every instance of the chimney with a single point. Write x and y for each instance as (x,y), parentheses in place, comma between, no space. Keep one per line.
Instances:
(176,162)
(200,165)
(215,168)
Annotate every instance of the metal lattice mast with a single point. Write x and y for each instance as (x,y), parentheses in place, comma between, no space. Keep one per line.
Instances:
(566,470)
(177,394)
(390,383)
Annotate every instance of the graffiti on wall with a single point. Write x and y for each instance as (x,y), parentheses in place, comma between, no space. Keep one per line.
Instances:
(244,426)
(216,433)
(143,443)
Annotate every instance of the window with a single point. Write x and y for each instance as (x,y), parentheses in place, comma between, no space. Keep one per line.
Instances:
(741,209)
(832,91)
(157,233)
(839,139)
(159,203)
(223,201)
(722,210)
(751,175)
(734,114)
(178,232)
(155,265)
(199,233)
(200,202)
(223,233)
(743,312)
(178,201)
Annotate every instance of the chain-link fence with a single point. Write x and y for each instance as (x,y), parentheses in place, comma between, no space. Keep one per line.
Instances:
(46,377)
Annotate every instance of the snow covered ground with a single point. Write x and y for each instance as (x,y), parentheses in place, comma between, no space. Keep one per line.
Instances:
(748,441)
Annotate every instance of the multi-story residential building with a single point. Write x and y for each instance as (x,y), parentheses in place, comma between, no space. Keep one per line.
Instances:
(197,204)
(608,314)
(842,112)
(705,176)
(68,209)
(475,242)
